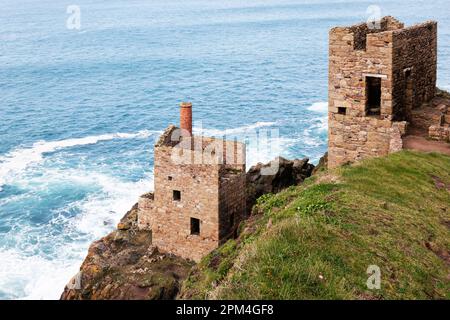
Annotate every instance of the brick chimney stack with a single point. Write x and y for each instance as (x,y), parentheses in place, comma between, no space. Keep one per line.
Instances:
(186,117)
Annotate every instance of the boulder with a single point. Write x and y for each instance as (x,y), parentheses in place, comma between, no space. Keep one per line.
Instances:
(275,176)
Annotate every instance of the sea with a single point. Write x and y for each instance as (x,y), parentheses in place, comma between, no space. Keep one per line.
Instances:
(87,86)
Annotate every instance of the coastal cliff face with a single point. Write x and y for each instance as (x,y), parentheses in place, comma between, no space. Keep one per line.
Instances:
(125,265)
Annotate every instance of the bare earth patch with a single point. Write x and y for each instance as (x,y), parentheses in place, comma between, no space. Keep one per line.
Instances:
(420,143)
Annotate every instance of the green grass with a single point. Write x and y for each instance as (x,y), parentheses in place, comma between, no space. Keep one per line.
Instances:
(317,240)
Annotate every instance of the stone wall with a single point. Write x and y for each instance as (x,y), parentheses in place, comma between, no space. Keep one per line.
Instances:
(232,203)
(440,130)
(145,207)
(414,53)
(348,69)
(358,138)
(440,133)
(355,133)
(171,227)
(360,31)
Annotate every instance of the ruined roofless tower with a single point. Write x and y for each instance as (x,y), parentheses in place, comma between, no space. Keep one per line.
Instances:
(199,196)
(376,77)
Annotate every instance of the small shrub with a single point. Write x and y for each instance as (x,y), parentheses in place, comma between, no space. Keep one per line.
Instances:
(311,208)
(269,201)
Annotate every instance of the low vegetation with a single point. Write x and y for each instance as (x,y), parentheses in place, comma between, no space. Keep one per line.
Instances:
(317,240)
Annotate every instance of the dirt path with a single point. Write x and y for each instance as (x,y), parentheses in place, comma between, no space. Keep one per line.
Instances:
(420,143)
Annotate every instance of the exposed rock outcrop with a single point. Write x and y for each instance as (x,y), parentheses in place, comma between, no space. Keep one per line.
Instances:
(125,265)
(322,165)
(274,176)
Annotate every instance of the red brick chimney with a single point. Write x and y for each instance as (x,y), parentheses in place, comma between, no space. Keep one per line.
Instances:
(186,117)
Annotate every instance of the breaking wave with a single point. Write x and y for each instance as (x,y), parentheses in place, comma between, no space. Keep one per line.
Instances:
(320,107)
(21,158)
(47,255)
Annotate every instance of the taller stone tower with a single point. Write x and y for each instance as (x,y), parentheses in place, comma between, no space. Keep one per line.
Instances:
(376,78)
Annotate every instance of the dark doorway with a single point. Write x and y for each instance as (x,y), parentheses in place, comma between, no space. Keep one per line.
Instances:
(195,226)
(373,96)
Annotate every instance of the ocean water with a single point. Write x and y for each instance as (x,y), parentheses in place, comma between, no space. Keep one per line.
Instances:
(81,109)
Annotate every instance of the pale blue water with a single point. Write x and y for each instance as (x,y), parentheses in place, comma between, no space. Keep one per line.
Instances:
(81,109)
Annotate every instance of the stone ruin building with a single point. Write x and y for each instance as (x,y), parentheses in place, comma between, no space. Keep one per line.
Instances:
(382,86)
(199,193)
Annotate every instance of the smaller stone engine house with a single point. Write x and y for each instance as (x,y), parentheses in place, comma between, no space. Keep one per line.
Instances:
(377,78)
(199,194)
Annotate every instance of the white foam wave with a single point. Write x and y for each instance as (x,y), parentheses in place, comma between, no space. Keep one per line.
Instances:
(320,107)
(313,135)
(21,158)
(33,277)
(39,273)
(100,212)
(320,124)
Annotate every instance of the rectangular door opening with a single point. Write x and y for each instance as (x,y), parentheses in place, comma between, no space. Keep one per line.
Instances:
(373,96)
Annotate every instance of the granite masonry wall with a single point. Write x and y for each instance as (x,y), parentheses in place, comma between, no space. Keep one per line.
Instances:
(414,67)
(360,59)
(232,202)
(440,129)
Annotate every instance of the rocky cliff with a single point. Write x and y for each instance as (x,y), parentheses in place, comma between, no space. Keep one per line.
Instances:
(288,173)
(125,264)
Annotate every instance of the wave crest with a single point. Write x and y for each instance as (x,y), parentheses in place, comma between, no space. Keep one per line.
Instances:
(320,107)
(21,158)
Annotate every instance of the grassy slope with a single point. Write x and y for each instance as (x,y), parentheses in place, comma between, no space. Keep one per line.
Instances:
(317,240)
